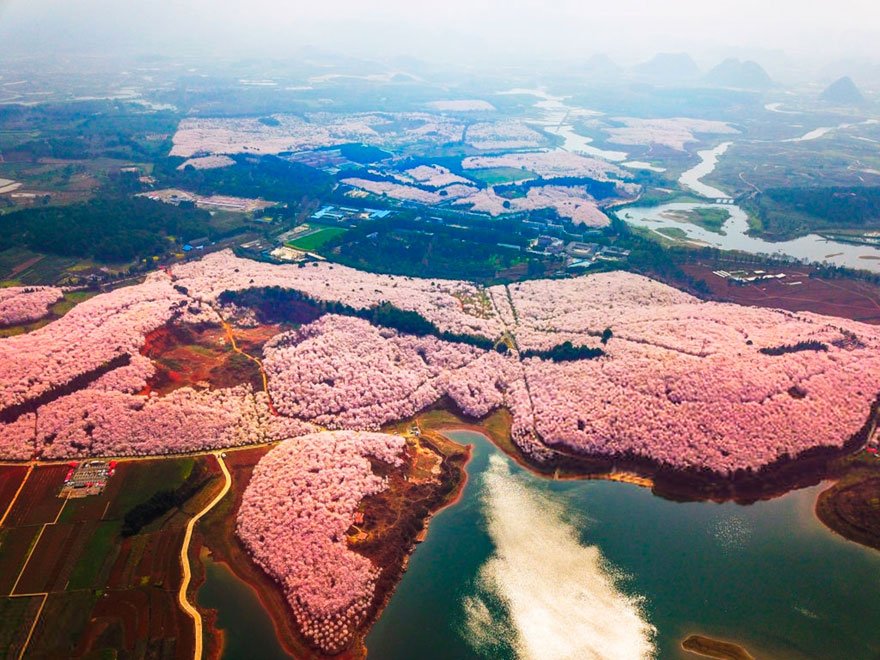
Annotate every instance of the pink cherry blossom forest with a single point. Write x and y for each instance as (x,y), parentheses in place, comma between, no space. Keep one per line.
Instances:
(683,384)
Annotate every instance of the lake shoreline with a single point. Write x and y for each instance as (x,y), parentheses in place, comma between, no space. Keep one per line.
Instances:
(771,482)
(808,468)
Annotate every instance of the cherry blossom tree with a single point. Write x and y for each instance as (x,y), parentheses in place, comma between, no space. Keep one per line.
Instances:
(683,383)
(25,304)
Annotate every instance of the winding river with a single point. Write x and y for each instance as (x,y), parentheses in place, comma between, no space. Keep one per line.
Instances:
(691,179)
(555,118)
(734,234)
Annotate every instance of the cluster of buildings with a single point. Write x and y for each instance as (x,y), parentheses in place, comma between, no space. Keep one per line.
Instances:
(578,255)
(210,203)
(343,215)
(86,478)
(281,248)
(748,276)
(135,171)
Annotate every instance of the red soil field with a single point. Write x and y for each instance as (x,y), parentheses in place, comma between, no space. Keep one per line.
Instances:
(63,617)
(851,299)
(10,479)
(38,502)
(186,356)
(51,560)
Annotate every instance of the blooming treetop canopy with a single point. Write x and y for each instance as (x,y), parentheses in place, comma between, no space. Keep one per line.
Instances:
(683,383)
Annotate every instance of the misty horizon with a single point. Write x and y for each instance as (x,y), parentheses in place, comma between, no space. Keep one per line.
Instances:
(482,34)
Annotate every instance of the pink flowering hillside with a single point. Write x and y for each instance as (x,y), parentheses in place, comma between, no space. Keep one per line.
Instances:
(90,336)
(447,303)
(681,383)
(293,519)
(343,372)
(101,423)
(26,304)
(684,383)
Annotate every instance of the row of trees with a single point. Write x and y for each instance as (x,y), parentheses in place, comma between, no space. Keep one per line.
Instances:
(809,345)
(163,501)
(281,304)
(566,352)
(597,189)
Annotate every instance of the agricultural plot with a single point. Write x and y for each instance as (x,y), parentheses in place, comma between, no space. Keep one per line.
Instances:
(68,572)
(22,267)
(11,478)
(17,615)
(38,504)
(798,291)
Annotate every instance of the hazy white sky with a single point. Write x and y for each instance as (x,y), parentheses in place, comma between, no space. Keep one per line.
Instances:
(456,28)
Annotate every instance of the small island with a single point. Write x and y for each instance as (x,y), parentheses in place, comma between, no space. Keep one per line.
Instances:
(710,219)
(715,648)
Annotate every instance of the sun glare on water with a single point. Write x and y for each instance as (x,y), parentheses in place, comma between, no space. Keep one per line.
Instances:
(557,598)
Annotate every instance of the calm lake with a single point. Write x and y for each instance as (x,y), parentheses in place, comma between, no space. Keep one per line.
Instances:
(525,567)
(247,626)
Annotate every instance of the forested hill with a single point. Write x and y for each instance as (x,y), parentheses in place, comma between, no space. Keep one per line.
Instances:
(795,211)
(112,229)
(267,177)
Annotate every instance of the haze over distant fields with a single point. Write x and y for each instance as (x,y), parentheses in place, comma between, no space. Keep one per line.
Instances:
(461,30)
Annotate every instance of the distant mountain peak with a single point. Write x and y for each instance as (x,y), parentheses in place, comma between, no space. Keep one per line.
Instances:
(601,60)
(743,74)
(843,91)
(600,67)
(670,67)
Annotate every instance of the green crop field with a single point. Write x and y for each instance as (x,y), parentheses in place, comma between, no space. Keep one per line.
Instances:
(315,240)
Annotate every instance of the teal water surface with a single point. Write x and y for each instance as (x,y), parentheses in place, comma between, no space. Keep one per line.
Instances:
(246,626)
(767,575)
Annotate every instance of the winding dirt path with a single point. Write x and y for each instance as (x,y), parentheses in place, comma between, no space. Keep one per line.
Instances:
(184,559)
(227,328)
